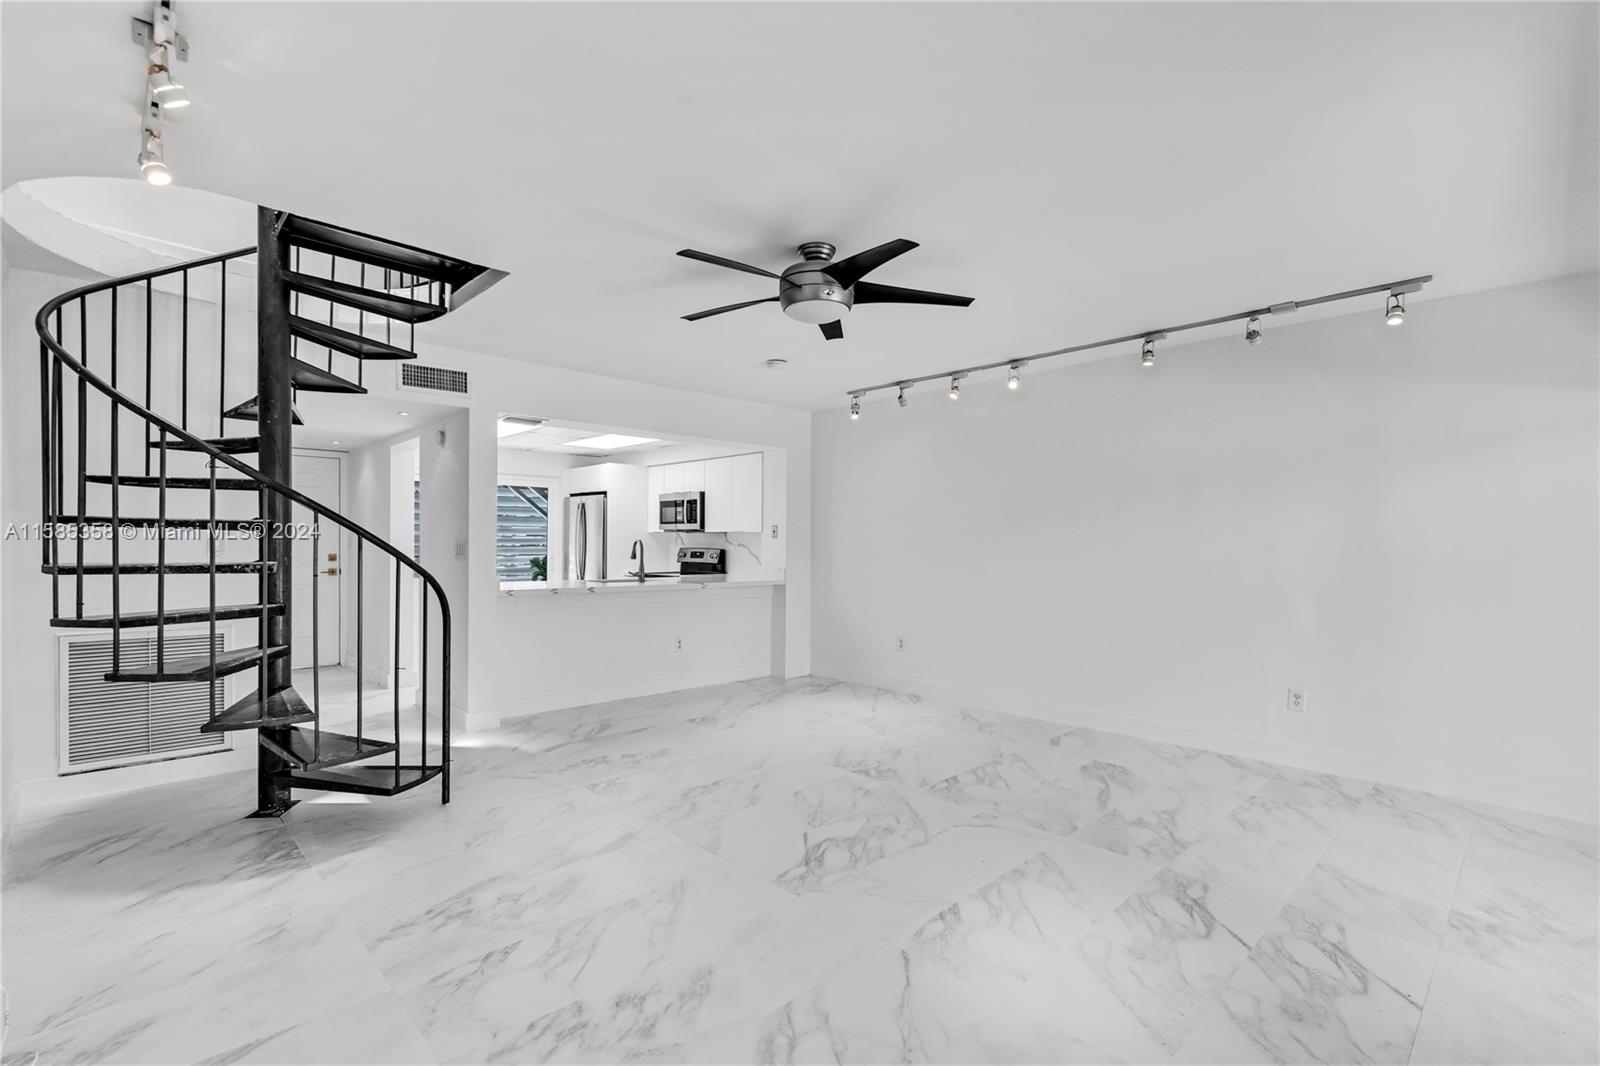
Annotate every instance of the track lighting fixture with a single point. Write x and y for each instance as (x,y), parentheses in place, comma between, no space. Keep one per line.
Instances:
(161,82)
(152,150)
(162,44)
(1395,313)
(855,408)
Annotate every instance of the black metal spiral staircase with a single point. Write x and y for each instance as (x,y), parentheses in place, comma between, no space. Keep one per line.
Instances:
(312,280)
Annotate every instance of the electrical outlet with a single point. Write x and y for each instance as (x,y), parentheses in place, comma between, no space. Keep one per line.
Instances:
(1296,702)
(900,642)
(680,643)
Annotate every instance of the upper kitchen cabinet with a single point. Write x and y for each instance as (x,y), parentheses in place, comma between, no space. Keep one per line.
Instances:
(732,485)
(744,493)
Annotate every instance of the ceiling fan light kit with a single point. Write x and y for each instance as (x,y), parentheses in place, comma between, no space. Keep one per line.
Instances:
(820,291)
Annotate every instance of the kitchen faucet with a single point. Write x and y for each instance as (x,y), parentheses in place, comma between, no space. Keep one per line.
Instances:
(637,552)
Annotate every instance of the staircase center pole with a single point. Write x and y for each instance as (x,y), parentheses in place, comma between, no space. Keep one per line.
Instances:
(277,460)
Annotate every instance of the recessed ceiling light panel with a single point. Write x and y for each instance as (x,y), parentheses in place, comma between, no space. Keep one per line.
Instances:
(611,441)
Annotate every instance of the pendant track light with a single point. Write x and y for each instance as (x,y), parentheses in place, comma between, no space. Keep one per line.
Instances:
(855,408)
(162,43)
(1394,314)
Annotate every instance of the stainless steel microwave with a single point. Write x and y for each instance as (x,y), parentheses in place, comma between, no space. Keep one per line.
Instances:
(683,512)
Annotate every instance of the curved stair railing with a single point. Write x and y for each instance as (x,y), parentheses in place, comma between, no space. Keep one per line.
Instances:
(387,753)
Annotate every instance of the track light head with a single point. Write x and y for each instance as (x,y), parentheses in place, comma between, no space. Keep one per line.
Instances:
(1014,378)
(1147,354)
(955,386)
(1395,313)
(158,77)
(1252,330)
(855,408)
(901,397)
(152,160)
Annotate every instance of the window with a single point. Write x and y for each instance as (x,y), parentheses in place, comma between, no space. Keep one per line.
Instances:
(522,532)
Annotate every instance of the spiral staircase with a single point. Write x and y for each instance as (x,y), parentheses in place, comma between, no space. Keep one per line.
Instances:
(141,497)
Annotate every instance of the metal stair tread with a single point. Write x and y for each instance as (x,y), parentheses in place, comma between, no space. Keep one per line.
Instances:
(342,340)
(148,481)
(401,308)
(367,780)
(106,569)
(309,749)
(149,522)
(376,251)
(250,411)
(281,708)
(197,667)
(227,445)
(176,616)
(315,379)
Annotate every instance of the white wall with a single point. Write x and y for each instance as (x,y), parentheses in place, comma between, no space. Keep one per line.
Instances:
(1403,522)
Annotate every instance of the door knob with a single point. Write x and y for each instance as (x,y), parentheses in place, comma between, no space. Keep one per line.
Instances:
(332,571)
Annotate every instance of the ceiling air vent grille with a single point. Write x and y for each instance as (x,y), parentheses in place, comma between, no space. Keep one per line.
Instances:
(107,724)
(424,378)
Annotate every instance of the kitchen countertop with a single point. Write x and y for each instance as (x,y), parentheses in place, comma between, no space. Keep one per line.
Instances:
(655,584)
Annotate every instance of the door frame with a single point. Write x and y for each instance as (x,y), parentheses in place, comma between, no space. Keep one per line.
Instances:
(345,543)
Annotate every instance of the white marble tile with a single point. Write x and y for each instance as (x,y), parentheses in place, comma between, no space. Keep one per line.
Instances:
(376,1031)
(1270,844)
(1145,973)
(613,883)
(1316,990)
(1158,824)
(1385,877)
(1478,1013)
(1014,792)
(1524,911)
(484,997)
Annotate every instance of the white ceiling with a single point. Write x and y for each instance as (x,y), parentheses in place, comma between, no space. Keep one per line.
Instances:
(1083,170)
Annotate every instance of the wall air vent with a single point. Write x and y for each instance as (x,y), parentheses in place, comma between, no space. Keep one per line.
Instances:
(419,377)
(106,724)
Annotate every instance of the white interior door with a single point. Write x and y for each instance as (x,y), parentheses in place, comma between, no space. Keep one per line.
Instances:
(318,477)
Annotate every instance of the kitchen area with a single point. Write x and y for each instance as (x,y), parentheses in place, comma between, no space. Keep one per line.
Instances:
(631,564)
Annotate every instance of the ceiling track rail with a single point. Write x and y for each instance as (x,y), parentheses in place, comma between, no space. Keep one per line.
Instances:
(1016,362)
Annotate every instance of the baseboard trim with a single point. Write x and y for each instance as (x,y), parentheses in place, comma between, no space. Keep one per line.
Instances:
(1442,781)
(623,690)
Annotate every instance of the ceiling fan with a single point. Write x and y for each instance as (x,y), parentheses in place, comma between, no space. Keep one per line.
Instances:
(820,291)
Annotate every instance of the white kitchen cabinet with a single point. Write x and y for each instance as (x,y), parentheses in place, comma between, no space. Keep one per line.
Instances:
(719,494)
(672,477)
(655,482)
(694,477)
(744,512)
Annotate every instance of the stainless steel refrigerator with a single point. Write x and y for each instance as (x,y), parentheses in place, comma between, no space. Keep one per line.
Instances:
(586,536)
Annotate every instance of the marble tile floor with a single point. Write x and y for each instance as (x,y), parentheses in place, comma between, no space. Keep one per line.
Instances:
(805,872)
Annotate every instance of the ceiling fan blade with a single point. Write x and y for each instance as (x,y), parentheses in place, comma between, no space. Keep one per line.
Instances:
(868,293)
(717,260)
(853,268)
(834,330)
(698,315)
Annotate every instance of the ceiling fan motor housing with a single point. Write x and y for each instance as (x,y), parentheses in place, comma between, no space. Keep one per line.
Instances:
(807,294)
